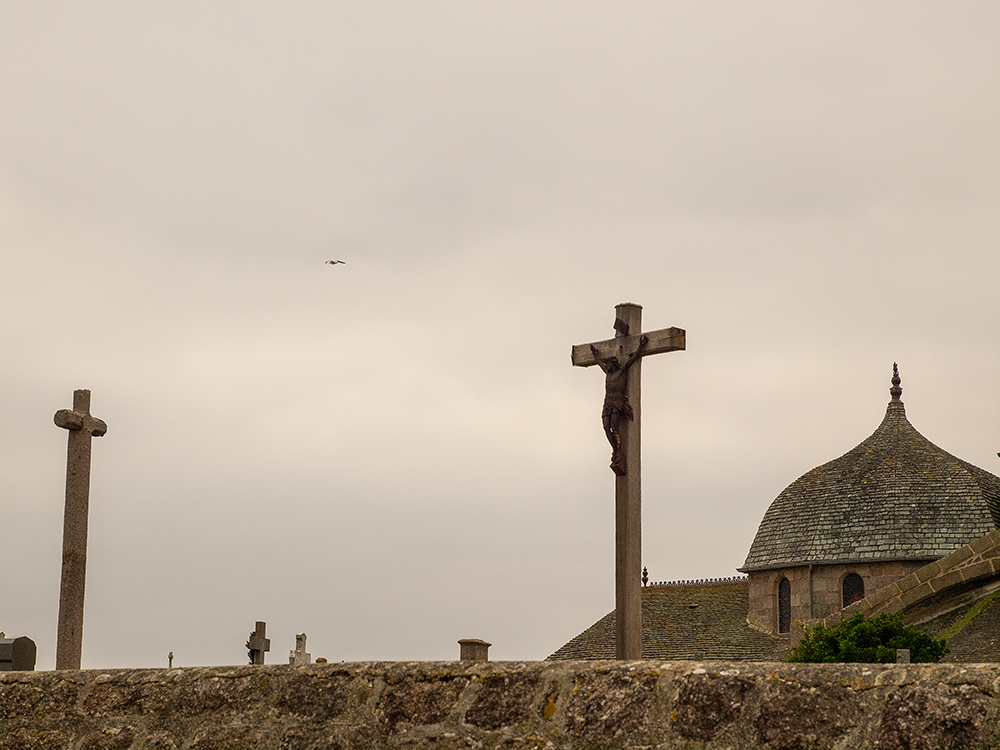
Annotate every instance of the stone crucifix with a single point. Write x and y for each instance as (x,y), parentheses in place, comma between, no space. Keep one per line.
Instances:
(621,358)
(82,426)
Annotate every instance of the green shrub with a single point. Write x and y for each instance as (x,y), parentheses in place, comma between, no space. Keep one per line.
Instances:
(867,640)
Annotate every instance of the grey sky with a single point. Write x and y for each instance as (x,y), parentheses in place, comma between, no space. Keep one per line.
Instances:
(395,453)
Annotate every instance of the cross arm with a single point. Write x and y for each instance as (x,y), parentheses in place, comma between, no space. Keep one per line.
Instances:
(70,419)
(663,340)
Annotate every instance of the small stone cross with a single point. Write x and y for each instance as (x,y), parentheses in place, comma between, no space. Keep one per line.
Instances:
(621,359)
(82,426)
(299,655)
(258,644)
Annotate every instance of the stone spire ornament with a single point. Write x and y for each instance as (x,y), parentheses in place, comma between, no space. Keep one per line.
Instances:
(896,392)
(82,427)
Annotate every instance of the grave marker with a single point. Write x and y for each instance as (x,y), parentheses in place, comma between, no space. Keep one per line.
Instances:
(17,654)
(299,655)
(257,644)
(82,426)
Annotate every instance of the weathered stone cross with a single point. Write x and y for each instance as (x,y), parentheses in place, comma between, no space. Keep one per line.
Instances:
(257,644)
(81,426)
(620,358)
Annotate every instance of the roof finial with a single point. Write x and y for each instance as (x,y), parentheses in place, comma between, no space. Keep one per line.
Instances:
(895,391)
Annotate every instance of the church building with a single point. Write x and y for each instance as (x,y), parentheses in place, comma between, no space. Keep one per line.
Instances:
(896,524)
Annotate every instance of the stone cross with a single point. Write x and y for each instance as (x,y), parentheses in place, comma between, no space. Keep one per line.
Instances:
(258,644)
(82,426)
(299,655)
(627,348)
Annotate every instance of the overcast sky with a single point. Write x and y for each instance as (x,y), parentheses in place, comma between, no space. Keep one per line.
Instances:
(395,453)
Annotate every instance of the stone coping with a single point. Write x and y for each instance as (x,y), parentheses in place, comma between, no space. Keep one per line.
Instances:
(452,705)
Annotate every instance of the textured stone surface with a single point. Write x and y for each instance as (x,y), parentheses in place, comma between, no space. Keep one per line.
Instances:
(799,716)
(612,704)
(503,701)
(595,704)
(935,717)
(708,704)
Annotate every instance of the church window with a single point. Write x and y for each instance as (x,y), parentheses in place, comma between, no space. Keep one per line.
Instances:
(784,606)
(854,589)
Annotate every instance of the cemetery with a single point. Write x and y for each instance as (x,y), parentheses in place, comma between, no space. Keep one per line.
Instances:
(676,665)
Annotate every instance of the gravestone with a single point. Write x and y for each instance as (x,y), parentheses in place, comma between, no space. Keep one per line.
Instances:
(17,654)
(82,427)
(257,644)
(621,360)
(299,655)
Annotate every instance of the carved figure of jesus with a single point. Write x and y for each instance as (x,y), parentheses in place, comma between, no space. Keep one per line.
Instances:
(616,405)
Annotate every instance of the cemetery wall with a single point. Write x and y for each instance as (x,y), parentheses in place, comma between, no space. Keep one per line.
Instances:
(451,705)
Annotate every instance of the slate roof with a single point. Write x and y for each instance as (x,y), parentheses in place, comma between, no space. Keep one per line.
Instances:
(896,496)
(700,621)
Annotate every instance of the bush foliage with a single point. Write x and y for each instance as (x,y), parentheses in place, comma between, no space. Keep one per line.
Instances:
(867,640)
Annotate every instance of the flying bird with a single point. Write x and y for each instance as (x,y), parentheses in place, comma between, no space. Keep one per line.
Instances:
(333,262)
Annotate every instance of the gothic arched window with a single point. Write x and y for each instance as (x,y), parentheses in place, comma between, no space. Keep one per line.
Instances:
(854,589)
(784,606)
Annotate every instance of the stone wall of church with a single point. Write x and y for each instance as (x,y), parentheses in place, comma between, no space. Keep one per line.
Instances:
(493,705)
(827,588)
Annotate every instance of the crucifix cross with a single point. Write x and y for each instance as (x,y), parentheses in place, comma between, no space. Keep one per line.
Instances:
(621,358)
(82,427)
(258,644)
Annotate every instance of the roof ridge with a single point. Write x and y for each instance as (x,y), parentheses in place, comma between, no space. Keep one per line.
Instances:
(697,582)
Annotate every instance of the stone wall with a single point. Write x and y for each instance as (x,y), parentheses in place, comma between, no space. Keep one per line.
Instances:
(511,705)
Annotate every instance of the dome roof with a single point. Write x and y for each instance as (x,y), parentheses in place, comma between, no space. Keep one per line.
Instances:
(896,496)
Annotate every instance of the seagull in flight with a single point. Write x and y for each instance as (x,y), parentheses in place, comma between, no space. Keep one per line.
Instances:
(333,262)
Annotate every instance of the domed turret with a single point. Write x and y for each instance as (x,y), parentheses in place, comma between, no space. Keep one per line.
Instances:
(895,498)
